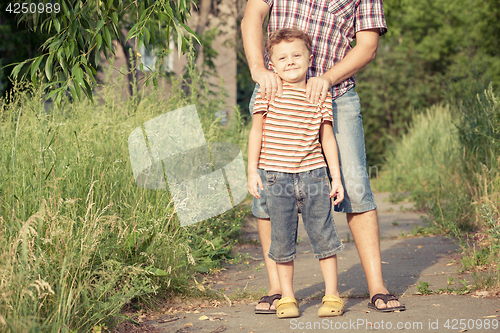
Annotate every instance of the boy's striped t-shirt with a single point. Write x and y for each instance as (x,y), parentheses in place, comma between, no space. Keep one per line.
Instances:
(290,138)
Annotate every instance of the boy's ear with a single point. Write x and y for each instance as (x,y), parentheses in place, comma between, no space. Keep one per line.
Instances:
(271,66)
(310,60)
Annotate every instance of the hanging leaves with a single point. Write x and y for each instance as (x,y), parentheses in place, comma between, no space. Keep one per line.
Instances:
(81,32)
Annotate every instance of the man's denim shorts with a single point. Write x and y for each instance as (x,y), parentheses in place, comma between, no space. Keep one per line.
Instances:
(348,130)
(289,194)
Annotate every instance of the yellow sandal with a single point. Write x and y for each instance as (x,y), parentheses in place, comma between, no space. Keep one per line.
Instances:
(332,306)
(287,307)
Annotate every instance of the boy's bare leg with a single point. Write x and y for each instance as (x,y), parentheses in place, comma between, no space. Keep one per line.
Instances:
(329,270)
(364,228)
(264,226)
(285,273)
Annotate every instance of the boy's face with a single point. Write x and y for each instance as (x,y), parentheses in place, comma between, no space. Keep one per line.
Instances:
(290,61)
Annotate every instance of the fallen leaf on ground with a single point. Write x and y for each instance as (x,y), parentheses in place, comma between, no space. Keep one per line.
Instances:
(161,321)
(203,318)
(219,329)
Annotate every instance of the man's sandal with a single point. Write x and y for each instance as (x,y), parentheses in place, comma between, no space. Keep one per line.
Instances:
(270,300)
(287,307)
(333,306)
(385,298)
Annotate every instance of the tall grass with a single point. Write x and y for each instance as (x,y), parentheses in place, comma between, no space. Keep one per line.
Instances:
(426,162)
(480,135)
(449,162)
(78,238)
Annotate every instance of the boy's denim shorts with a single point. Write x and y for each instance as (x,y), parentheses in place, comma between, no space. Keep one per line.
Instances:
(289,194)
(348,130)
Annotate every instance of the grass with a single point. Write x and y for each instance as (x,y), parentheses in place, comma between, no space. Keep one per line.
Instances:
(449,163)
(78,238)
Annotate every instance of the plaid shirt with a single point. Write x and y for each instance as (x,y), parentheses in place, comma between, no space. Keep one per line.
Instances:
(332,24)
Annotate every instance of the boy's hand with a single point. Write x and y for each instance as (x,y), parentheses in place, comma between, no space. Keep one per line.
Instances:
(254,183)
(337,191)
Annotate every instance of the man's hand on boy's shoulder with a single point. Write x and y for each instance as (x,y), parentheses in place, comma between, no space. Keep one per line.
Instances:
(317,89)
(337,191)
(270,83)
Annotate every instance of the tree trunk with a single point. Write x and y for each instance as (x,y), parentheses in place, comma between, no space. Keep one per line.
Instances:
(126,51)
(203,13)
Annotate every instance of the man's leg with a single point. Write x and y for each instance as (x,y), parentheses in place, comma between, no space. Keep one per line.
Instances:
(364,229)
(359,203)
(264,226)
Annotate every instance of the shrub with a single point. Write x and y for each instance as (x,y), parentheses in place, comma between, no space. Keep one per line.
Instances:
(78,238)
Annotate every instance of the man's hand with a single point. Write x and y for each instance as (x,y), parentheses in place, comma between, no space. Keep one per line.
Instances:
(317,88)
(254,183)
(269,82)
(337,191)
(251,32)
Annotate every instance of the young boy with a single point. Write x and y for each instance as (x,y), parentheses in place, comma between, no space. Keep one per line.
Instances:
(285,150)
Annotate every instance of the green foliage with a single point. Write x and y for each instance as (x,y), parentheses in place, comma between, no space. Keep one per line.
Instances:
(425,156)
(449,161)
(453,288)
(430,46)
(80,32)
(423,288)
(78,238)
(16,44)
(480,128)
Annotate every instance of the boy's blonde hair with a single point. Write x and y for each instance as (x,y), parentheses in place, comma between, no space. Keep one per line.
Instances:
(287,35)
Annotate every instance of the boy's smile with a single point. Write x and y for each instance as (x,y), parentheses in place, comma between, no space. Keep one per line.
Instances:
(290,60)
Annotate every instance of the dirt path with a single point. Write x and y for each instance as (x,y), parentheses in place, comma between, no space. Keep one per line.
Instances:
(409,264)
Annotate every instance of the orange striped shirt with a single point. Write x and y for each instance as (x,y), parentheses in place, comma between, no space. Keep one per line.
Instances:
(290,138)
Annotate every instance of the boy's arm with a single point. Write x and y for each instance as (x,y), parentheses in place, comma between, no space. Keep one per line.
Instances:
(329,145)
(254,144)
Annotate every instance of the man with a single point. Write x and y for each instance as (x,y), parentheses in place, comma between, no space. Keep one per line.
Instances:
(332,24)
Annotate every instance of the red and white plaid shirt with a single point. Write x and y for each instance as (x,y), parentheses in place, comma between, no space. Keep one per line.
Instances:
(332,25)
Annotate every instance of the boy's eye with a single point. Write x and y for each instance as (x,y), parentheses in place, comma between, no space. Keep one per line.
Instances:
(297,55)
(281,58)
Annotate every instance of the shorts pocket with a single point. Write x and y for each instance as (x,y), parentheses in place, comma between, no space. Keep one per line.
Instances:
(271,177)
(318,174)
(342,8)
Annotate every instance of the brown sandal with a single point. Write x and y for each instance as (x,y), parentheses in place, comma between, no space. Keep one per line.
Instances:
(385,298)
(270,300)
